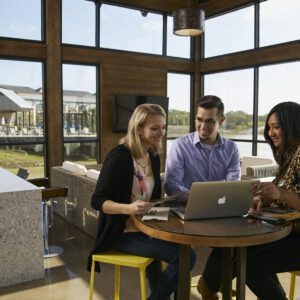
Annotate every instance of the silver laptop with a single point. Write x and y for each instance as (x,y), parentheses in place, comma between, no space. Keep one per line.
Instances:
(217,199)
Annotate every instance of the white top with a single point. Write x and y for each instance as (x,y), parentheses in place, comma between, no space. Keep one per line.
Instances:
(12,183)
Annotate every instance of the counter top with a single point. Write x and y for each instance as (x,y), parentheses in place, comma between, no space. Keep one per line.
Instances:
(12,183)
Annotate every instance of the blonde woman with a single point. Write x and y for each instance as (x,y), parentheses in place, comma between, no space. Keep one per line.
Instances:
(129,180)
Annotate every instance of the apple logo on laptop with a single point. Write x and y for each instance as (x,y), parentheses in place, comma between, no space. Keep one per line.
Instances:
(222,200)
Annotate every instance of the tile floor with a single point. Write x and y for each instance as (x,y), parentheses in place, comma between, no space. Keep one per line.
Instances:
(66,277)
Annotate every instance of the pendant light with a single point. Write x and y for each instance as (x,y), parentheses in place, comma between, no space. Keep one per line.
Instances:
(188,21)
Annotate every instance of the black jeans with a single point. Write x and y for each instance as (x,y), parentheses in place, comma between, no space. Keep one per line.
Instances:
(263,263)
(161,284)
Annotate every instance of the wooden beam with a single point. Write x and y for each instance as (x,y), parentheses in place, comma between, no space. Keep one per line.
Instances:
(15,48)
(53,84)
(262,56)
(217,7)
(74,54)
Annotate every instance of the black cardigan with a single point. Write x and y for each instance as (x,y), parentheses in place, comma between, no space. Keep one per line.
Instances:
(115,183)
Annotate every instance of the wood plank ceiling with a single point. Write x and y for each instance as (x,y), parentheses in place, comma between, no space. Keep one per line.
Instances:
(211,7)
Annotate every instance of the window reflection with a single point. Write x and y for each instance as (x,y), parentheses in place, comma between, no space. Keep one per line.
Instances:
(179,105)
(235,89)
(277,83)
(178,46)
(79,102)
(279,22)
(230,32)
(21,116)
(129,29)
(81,153)
(78,22)
(30,157)
(20,19)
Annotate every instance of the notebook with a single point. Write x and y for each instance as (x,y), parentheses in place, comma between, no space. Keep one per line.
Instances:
(217,199)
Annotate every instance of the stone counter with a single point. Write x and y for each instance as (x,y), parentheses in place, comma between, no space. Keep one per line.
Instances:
(21,231)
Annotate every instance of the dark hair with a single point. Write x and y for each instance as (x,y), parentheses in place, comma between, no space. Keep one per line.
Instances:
(209,102)
(288,114)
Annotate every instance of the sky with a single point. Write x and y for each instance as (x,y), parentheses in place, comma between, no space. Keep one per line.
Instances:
(224,34)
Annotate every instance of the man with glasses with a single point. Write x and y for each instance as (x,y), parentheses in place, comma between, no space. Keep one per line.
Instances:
(203,155)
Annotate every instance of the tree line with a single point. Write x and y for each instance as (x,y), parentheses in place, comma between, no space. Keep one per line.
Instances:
(234,119)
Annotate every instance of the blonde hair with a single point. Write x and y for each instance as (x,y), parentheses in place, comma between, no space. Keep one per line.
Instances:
(132,140)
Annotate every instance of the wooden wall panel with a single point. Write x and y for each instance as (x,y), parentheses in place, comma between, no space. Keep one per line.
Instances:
(132,80)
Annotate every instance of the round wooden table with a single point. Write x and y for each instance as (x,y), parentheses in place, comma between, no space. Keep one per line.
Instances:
(235,232)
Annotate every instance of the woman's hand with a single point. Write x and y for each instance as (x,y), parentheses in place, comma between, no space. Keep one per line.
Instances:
(140,207)
(256,206)
(266,190)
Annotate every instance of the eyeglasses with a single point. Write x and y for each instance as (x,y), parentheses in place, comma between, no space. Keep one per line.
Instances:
(209,122)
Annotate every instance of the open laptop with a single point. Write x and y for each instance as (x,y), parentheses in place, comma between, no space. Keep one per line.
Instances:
(217,199)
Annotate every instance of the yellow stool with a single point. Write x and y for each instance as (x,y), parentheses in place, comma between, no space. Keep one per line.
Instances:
(118,259)
(292,284)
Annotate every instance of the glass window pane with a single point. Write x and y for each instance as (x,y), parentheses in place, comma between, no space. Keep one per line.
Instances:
(178,46)
(279,22)
(78,22)
(277,83)
(79,102)
(127,29)
(20,19)
(245,149)
(30,157)
(81,153)
(264,149)
(230,32)
(21,106)
(179,104)
(235,88)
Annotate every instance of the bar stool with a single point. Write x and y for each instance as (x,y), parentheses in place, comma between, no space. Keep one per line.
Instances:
(23,173)
(118,259)
(292,284)
(47,195)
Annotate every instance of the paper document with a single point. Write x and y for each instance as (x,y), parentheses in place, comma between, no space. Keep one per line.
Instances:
(277,217)
(157,213)
(169,198)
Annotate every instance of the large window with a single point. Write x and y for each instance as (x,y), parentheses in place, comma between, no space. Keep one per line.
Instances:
(21,19)
(279,21)
(277,83)
(179,46)
(230,33)
(78,22)
(21,117)
(129,29)
(80,114)
(179,93)
(235,88)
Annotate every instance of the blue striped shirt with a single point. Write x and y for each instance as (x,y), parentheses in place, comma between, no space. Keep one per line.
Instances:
(189,160)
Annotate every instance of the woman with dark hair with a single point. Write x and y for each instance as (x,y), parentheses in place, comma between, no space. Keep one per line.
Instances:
(282,132)
(129,180)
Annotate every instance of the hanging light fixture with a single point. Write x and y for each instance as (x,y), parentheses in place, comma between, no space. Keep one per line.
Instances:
(188,21)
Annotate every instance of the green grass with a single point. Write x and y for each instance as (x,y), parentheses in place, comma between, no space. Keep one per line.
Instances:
(16,159)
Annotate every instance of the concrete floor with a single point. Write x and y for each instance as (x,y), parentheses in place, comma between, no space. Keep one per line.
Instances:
(66,277)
